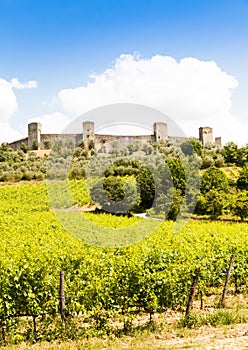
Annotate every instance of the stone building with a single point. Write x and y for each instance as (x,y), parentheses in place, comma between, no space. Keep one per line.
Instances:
(206,136)
(36,140)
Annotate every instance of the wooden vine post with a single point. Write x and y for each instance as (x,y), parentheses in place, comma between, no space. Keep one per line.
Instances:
(62,295)
(192,292)
(228,275)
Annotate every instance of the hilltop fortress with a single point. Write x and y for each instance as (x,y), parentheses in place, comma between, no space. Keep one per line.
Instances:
(103,143)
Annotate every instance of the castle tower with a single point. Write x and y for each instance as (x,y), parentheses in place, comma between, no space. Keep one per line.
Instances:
(218,141)
(205,135)
(160,131)
(34,135)
(88,131)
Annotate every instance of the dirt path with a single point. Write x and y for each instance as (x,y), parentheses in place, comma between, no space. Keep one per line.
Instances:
(207,338)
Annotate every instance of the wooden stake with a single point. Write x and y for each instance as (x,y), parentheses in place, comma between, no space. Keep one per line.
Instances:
(228,275)
(201,295)
(62,295)
(192,292)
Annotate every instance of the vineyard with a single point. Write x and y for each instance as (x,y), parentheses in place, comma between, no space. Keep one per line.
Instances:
(101,284)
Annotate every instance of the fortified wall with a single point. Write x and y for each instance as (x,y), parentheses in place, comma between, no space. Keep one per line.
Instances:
(36,140)
(104,143)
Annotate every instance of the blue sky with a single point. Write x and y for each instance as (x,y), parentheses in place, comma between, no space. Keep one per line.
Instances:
(59,44)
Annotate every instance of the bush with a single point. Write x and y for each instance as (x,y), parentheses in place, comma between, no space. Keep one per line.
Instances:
(39,176)
(221,317)
(47,144)
(27,175)
(207,162)
(35,145)
(24,148)
(77,173)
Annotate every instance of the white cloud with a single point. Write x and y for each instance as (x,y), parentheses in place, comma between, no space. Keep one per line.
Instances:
(31,84)
(191,91)
(7,133)
(8,102)
(9,106)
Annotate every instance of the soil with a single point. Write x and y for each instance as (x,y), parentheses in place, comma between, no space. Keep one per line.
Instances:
(207,337)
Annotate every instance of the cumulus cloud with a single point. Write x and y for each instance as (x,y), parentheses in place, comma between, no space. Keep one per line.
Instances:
(9,106)
(8,133)
(191,91)
(8,102)
(31,84)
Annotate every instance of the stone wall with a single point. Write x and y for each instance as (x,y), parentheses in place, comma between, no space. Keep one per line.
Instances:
(18,144)
(104,143)
(51,138)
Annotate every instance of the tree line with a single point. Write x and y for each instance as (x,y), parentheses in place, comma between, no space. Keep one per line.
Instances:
(165,178)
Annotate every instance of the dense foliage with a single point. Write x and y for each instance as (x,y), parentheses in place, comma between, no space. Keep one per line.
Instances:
(161,178)
(20,165)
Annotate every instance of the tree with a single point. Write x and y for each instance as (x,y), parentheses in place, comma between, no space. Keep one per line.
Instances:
(177,171)
(197,147)
(190,147)
(212,203)
(242,182)
(148,149)
(214,186)
(240,205)
(116,194)
(174,210)
(165,183)
(214,179)
(230,153)
(168,204)
(144,178)
(219,161)
(242,156)
(187,148)
(207,162)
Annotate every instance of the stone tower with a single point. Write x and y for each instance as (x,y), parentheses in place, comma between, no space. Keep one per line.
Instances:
(205,135)
(34,133)
(160,131)
(218,141)
(88,131)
